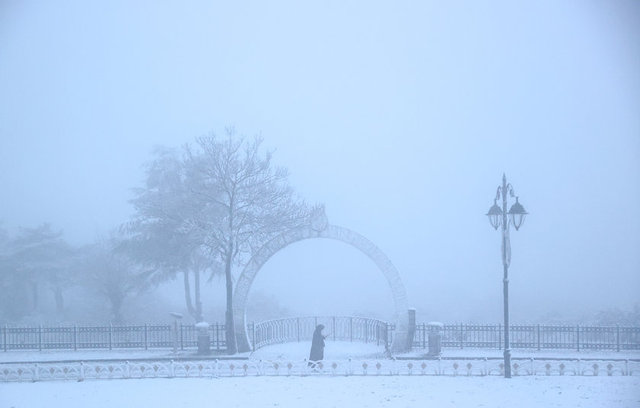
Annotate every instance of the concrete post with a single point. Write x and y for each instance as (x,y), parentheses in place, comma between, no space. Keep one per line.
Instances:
(412,328)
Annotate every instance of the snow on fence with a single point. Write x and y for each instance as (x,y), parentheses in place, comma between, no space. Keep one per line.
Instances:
(80,371)
(341,328)
(144,337)
(539,337)
(150,336)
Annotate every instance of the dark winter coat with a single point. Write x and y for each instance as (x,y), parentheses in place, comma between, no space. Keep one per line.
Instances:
(317,345)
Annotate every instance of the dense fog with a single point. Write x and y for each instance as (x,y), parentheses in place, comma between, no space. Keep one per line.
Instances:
(400,119)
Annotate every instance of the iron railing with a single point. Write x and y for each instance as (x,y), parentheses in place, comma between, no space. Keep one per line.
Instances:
(214,368)
(146,336)
(538,337)
(298,329)
(341,328)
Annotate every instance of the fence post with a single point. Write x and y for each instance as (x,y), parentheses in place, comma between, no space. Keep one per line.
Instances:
(538,337)
(500,336)
(146,338)
(334,328)
(617,338)
(181,338)
(253,334)
(387,334)
(40,338)
(217,336)
(75,338)
(578,337)
(461,336)
(4,338)
(298,328)
(366,332)
(110,335)
(351,329)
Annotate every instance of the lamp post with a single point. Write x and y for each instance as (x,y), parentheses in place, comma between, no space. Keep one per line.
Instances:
(499,217)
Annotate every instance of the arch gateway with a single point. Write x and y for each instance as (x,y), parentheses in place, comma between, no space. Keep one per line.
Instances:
(319,227)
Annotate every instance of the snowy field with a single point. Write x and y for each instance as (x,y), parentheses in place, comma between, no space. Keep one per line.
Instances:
(324,390)
(334,350)
(300,392)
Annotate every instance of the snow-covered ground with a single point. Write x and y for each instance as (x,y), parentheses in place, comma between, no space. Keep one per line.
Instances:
(334,350)
(302,392)
(299,351)
(324,390)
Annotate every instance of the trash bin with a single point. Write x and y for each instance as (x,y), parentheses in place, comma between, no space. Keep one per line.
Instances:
(435,338)
(203,338)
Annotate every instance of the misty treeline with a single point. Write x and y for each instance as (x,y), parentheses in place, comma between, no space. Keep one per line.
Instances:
(202,212)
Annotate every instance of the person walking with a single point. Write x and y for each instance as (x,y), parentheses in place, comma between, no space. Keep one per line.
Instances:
(317,346)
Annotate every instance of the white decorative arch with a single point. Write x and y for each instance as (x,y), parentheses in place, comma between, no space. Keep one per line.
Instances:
(320,228)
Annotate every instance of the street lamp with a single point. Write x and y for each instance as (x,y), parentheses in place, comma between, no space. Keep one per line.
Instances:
(498,218)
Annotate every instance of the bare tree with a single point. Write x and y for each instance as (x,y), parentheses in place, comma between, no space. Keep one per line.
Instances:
(41,257)
(110,273)
(245,202)
(14,302)
(162,235)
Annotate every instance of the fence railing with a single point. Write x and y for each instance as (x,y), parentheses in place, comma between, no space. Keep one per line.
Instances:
(342,328)
(144,337)
(298,329)
(539,337)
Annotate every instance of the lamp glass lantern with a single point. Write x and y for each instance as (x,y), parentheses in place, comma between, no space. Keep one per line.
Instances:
(495,215)
(517,214)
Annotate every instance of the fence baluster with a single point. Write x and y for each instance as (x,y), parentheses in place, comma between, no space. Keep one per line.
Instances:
(253,330)
(181,337)
(351,329)
(334,328)
(538,336)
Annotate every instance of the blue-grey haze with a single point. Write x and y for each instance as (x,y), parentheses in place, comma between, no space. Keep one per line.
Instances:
(399,116)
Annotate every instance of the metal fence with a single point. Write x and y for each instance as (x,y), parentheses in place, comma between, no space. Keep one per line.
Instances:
(539,337)
(340,328)
(214,368)
(147,336)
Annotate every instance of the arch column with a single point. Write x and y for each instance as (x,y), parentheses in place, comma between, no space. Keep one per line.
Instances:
(323,230)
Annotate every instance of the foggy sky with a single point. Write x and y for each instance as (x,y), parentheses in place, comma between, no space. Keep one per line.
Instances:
(400,117)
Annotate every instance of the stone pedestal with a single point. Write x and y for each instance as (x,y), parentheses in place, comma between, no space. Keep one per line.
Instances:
(435,338)
(203,338)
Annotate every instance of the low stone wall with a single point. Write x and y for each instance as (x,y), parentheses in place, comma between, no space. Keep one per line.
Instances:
(80,371)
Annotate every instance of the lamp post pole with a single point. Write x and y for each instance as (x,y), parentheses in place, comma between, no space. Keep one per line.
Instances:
(506,255)
(499,217)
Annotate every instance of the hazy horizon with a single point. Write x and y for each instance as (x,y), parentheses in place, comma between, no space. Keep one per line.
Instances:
(399,117)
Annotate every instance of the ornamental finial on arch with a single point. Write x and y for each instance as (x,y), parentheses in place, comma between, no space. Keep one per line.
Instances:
(318,220)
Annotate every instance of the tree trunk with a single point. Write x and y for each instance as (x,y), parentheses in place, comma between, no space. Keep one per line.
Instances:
(232,347)
(199,317)
(59,299)
(34,296)
(116,309)
(187,296)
